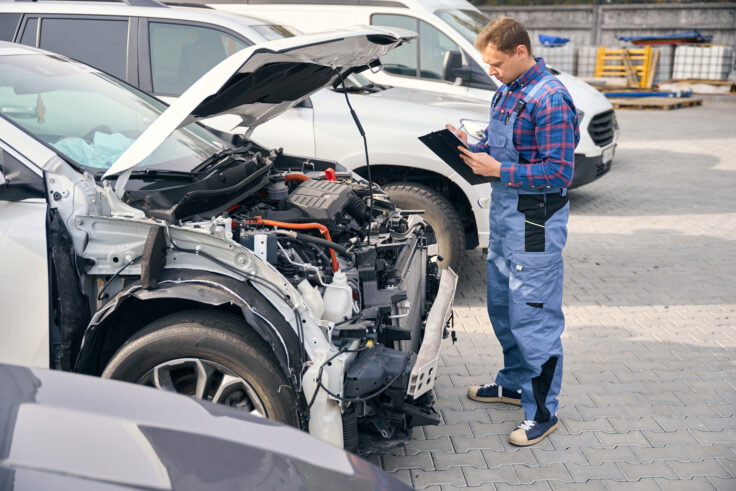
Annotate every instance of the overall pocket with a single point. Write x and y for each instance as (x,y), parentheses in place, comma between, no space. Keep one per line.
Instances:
(496,140)
(537,209)
(534,276)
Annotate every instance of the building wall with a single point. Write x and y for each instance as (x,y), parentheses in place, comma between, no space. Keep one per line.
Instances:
(600,24)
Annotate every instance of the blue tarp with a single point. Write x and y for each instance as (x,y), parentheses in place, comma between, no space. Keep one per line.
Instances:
(693,35)
(546,40)
(679,93)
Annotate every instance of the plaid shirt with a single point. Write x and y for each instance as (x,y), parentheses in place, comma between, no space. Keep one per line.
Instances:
(545,134)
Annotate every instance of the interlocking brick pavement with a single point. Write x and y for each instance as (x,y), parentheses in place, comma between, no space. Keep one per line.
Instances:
(649,389)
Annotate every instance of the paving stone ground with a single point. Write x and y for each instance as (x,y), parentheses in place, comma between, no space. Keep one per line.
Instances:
(649,389)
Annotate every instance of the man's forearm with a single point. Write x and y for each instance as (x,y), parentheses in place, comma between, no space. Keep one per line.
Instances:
(549,173)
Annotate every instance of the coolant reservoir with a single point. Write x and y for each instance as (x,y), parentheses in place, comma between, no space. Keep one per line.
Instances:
(338,299)
(325,417)
(312,298)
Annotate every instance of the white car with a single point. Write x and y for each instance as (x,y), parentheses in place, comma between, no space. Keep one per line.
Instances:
(443,59)
(136,245)
(175,46)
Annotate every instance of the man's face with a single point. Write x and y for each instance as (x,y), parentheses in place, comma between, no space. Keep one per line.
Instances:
(504,66)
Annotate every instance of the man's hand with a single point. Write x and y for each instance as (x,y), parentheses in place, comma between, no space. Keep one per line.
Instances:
(480,162)
(459,133)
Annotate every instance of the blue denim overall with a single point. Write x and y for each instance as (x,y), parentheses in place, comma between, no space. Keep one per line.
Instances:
(528,230)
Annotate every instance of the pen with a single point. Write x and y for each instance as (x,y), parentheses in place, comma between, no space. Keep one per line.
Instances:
(462,125)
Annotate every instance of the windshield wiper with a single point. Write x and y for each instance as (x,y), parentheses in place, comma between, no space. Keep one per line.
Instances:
(349,89)
(160,173)
(220,159)
(372,88)
(379,86)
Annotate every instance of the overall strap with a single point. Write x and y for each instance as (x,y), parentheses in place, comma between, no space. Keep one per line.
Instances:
(538,86)
(497,96)
(521,104)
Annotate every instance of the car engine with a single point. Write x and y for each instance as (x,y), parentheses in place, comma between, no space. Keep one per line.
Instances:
(370,290)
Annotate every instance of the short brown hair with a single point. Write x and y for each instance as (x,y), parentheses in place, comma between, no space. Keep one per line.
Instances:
(506,34)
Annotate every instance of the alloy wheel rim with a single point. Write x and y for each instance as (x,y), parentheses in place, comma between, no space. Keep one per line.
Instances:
(205,380)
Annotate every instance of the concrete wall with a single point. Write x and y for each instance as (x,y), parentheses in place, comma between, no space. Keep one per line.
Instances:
(600,24)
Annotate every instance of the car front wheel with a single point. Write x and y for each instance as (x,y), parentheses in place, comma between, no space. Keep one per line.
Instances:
(438,212)
(207,355)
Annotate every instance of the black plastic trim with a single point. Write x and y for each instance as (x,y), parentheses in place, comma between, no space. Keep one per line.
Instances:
(588,169)
(20,182)
(208,289)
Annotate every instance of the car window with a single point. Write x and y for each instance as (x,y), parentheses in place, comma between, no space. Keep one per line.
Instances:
(101,43)
(8,25)
(432,48)
(29,32)
(181,54)
(404,59)
(89,116)
(423,60)
(468,23)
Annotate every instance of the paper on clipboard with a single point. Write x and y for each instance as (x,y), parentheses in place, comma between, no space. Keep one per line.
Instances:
(444,144)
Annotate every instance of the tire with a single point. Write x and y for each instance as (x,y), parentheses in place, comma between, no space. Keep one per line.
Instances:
(177,352)
(440,214)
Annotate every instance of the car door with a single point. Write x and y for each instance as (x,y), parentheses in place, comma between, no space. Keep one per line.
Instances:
(174,54)
(24,288)
(420,64)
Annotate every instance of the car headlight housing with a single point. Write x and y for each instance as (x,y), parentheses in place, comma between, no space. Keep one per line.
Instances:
(580,114)
(474,128)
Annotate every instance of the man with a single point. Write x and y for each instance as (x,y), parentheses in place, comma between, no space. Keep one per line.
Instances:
(529,144)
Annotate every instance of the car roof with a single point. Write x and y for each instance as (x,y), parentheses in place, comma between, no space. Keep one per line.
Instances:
(236,22)
(427,5)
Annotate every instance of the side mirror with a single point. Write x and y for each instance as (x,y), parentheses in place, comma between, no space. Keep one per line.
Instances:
(460,69)
(452,66)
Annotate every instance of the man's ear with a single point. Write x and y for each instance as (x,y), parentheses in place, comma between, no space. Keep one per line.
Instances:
(521,51)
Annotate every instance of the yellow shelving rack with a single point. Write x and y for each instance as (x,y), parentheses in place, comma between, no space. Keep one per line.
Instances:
(636,65)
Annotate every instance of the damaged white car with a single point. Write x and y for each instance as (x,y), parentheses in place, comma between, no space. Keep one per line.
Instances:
(137,245)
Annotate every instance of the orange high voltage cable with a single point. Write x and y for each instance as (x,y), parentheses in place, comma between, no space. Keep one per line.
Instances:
(300,226)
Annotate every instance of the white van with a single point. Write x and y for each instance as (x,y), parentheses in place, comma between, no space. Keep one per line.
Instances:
(443,59)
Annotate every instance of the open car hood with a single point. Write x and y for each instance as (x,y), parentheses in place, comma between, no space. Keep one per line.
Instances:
(260,82)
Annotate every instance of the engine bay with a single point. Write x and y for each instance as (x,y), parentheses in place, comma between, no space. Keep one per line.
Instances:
(361,266)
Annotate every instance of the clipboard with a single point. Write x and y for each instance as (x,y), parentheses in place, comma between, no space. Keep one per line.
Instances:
(444,144)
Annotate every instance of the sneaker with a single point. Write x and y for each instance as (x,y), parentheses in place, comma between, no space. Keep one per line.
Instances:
(494,393)
(530,432)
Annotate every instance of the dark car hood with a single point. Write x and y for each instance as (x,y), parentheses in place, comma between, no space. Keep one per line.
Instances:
(61,430)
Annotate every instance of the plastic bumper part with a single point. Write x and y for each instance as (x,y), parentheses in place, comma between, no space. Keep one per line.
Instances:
(424,372)
(588,169)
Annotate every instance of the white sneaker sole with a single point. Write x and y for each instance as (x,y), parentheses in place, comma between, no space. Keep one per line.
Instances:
(472,394)
(518,437)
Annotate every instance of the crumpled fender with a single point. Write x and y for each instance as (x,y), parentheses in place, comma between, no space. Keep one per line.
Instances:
(206,288)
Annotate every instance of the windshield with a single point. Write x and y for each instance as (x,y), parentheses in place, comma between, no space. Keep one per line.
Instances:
(90,117)
(272,31)
(468,23)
